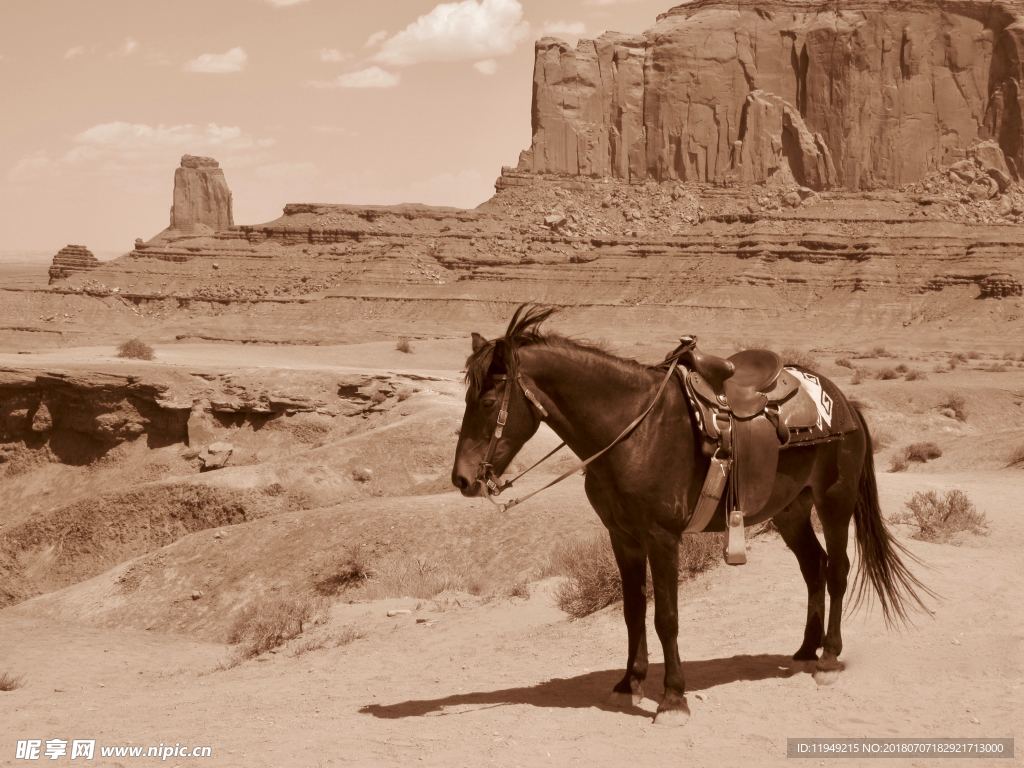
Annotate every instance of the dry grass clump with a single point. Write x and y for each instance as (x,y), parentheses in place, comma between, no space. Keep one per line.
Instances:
(9,682)
(593,580)
(404,345)
(915,374)
(844,362)
(954,406)
(940,518)
(915,452)
(887,374)
(349,570)
(269,624)
(342,637)
(136,349)
(799,358)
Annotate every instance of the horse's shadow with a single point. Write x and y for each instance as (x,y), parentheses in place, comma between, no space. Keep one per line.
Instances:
(593,688)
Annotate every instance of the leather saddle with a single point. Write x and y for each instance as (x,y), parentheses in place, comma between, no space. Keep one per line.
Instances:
(748,406)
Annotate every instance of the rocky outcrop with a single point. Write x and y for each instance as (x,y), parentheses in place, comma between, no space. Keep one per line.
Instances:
(72,258)
(201,196)
(866,96)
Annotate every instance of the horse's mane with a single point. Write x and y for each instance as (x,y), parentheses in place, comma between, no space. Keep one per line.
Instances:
(524,331)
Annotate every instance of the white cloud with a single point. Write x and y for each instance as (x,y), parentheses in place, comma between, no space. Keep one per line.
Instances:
(284,3)
(377,37)
(74,52)
(333,55)
(119,149)
(233,60)
(467,30)
(486,67)
(371,77)
(127,48)
(575,29)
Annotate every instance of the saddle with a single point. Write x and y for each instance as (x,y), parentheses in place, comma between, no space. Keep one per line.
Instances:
(749,407)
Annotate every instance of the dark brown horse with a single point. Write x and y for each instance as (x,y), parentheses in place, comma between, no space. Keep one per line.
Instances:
(645,488)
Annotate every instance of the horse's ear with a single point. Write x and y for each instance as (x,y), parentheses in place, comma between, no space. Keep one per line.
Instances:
(498,363)
(478,341)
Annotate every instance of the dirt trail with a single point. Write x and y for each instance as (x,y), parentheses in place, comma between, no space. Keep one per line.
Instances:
(512,682)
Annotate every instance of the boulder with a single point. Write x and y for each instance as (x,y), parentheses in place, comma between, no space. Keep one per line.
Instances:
(215,455)
(201,196)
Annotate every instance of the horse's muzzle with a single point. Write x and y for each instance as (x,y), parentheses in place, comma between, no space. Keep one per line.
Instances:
(466,486)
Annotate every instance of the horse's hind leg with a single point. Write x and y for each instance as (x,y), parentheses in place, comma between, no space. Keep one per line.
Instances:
(835,509)
(794,523)
(632,562)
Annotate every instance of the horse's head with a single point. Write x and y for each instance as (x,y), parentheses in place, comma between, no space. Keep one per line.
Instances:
(498,419)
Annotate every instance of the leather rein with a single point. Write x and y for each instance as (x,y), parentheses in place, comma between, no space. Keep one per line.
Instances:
(485,473)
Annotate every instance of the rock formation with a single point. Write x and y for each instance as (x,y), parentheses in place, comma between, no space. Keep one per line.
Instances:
(201,196)
(72,258)
(872,95)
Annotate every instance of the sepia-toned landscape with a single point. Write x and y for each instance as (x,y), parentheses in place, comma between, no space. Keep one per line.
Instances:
(227,510)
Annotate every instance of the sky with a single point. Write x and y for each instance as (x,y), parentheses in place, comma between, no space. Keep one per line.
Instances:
(341,101)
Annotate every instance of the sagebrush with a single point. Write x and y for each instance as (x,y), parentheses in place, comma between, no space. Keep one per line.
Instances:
(135,349)
(274,621)
(941,518)
(9,682)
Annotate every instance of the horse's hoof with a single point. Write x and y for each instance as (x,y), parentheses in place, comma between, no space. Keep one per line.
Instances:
(827,671)
(677,716)
(625,700)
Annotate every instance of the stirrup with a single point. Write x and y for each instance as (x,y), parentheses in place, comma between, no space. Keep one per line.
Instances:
(735,543)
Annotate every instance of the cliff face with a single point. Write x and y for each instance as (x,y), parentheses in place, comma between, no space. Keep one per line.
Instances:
(201,195)
(875,95)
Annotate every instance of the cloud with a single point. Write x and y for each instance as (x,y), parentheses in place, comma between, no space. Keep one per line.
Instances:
(486,67)
(121,148)
(377,37)
(333,55)
(74,52)
(470,30)
(284,3)
(127,48)
(574,29)
(219,63)
(371,77)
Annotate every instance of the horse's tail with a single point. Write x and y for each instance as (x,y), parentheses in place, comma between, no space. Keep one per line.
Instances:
(881,556)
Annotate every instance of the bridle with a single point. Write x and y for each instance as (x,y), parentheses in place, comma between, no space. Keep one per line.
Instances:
(485,472)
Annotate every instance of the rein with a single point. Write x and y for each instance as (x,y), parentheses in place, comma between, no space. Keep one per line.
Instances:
(486,472)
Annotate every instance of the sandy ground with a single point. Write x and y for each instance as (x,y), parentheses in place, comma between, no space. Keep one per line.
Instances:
(467,681)
(513,682)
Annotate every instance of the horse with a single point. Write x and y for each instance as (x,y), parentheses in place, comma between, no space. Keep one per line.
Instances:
(644,489)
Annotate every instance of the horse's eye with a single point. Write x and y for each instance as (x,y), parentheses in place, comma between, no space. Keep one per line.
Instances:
(488,402)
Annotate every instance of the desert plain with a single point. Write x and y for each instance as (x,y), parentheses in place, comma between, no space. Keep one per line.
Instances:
(288,444)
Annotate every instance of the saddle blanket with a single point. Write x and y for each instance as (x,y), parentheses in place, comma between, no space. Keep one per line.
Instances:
(834,415)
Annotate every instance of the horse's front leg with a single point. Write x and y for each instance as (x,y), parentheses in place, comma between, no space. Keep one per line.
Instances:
(664,556)
(632,562)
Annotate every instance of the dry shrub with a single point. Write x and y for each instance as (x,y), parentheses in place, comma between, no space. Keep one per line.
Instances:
(880,351)
(915,374)
(799,358)
(592,575)
(273,622)
(881,438)
(136,349)
(9,682)
(941,518)
(972,355)
(922,452)
(404,345)
(349,570)
(887,374)
(993,368)
(898,464)
(956,404)
(858,376)
(417,576)
(518,589)
(902,368)
(343,637)
(844,362)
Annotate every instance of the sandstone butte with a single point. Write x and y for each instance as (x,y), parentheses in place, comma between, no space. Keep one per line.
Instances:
(745,165)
